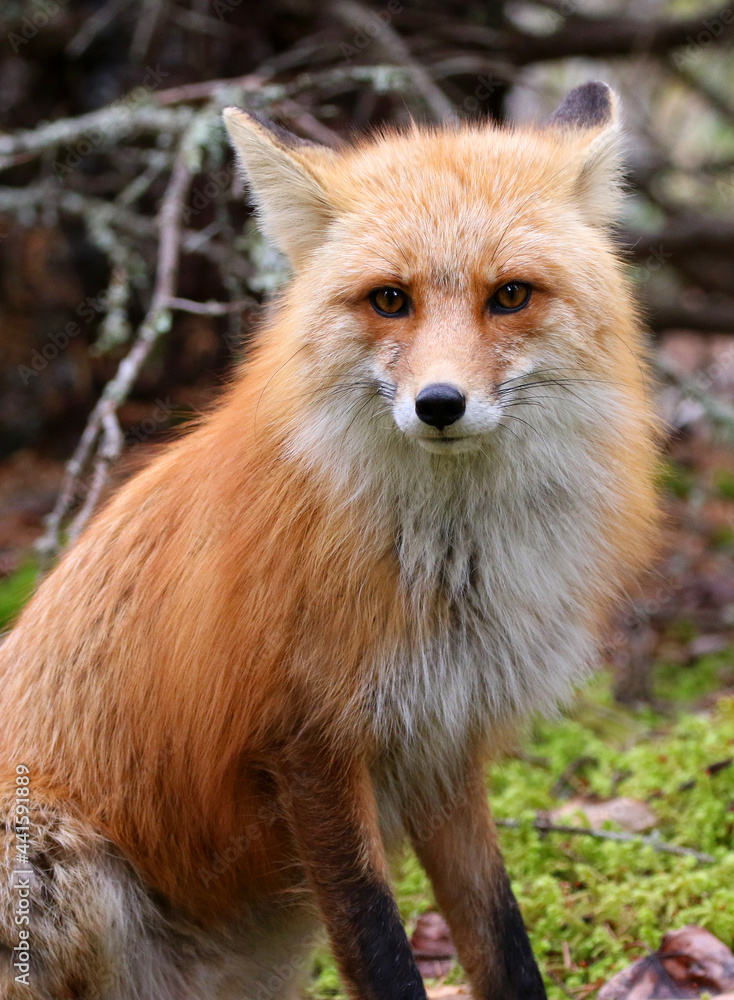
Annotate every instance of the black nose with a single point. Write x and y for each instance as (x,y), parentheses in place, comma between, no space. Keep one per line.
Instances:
(440,405)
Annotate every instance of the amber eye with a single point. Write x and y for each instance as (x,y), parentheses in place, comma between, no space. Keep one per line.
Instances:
(389,302)
(511,297)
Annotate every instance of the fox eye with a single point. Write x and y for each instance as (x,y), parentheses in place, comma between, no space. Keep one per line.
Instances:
(389,302)
(510,297)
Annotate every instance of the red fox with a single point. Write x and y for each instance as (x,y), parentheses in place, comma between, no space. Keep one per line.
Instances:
(295,639)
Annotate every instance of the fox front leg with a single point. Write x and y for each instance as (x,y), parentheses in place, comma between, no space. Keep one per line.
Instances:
(333,819)
(456,843)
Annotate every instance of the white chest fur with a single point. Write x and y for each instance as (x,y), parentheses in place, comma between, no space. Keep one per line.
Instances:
(501,560)
(510,541)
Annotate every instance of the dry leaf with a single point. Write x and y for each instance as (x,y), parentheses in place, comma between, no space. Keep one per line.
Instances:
(688,962)
(432,946)
(630,814)
(693,954)
(447,993)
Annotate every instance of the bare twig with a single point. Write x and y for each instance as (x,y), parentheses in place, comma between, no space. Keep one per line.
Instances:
(262,92)
(308,125)
(355,16)
(146,25)
(209,308)
(472,64)
(588,36)
(93,25)
(102,424)
(95,212)
(137,117)
(559,983)
(626,838)
(109,124)
(205,90)
(201,24)
(108,450)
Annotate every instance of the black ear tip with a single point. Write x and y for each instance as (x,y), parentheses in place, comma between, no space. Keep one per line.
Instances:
(276,132)
(589,106)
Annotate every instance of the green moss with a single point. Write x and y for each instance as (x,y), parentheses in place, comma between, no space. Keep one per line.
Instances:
(683,630)
(15,591)
(722,537)
(325,981)
(724,482)
(676,479)
(689,683)
(604,898)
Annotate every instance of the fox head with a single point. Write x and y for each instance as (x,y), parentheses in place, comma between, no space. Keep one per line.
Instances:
(447,281)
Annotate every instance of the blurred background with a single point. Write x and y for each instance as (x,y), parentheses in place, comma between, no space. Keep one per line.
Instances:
(131,275)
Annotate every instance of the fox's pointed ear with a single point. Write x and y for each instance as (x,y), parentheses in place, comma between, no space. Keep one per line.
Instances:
(589,120)
(284,174)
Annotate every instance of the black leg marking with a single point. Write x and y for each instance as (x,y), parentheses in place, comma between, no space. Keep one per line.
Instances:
(520,967)
(376,950)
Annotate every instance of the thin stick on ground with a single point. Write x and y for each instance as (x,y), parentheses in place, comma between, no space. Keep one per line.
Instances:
(660,846)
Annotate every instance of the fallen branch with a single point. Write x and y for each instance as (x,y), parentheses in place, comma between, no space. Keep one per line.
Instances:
(209,308)
(102,425)
(99,128)
(205,90)
(543,826)
(590,37)
(102,129)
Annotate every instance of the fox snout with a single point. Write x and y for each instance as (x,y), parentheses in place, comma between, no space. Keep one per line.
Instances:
(446,417)
(440,404)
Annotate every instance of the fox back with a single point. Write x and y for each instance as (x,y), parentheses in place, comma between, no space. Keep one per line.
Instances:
(400,531)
